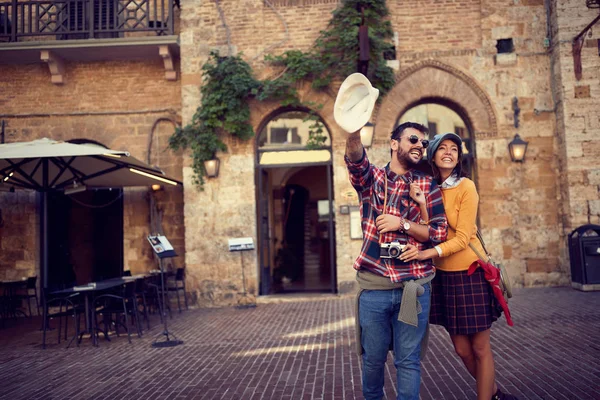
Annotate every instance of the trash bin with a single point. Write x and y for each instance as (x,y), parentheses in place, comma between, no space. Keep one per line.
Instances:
(584,252)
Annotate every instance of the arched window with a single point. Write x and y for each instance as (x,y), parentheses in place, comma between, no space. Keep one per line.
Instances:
(293,136)
(441,117)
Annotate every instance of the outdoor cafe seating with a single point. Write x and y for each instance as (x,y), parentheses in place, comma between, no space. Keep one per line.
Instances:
(111,305)
(177,284)
(11,298)
(28,293)
(59,308)
(95,310)
(121,304)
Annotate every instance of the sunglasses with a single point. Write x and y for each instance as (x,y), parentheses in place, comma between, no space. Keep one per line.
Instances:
(414,139)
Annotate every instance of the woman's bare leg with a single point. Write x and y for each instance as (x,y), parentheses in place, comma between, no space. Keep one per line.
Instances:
(464,347)
(482,351)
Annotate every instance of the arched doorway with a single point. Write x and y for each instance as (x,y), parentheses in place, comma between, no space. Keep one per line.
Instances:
(295,204)
(86,243)
(444,84)
(434,82)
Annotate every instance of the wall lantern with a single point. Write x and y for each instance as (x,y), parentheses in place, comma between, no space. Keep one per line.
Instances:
(517,148)
(366,134)
(212,167)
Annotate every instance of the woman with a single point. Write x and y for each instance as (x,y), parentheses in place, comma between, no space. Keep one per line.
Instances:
(463,304)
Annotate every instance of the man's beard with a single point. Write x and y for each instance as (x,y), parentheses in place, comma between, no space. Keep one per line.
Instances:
(405,159)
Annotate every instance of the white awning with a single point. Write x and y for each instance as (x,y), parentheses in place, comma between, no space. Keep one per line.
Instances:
(46,164)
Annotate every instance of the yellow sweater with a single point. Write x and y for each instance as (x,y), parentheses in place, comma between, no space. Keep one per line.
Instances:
(460,204)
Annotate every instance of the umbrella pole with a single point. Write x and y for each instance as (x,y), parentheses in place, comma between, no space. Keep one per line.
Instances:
(44,221)
(44,242)
(44,239)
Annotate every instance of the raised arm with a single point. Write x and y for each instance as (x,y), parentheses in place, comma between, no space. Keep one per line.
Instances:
(354,147)
(359,167)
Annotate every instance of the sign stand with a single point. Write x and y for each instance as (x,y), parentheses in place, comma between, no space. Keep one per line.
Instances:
(241,245)
(163,249)
(245,301)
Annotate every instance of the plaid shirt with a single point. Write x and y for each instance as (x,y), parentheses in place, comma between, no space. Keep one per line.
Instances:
(368,180)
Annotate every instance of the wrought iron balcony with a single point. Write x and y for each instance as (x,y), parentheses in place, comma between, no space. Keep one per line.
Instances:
(41,20)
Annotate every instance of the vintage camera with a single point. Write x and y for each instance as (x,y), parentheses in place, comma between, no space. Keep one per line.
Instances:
(391,250)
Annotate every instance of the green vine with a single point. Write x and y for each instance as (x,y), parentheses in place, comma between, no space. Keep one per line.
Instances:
(230,84)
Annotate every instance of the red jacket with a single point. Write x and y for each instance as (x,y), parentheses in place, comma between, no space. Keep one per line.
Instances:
(492,274)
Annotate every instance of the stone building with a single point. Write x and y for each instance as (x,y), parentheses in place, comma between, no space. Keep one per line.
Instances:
(472,66)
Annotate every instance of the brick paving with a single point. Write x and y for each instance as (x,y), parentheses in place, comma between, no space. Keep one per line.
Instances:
(304,349)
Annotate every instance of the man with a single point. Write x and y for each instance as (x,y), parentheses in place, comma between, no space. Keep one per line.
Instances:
(395,297)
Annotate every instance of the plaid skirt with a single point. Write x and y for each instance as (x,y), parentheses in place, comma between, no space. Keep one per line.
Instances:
(461,303)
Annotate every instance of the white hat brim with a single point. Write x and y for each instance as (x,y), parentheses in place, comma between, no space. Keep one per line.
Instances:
(354,103)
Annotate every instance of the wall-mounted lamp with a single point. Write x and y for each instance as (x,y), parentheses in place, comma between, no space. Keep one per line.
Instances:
(212,167)
(156,187)
(366,134)
(517,148)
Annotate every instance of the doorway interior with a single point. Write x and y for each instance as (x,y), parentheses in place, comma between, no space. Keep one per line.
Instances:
(86,240)
(296,229)
(300,237)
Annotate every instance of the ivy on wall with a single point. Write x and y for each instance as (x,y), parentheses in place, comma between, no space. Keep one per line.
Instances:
(229,82)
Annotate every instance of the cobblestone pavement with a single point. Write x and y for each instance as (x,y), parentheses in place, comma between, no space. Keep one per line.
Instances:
(303,349)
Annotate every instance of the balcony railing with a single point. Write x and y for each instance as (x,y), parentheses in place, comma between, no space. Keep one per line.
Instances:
(84,19)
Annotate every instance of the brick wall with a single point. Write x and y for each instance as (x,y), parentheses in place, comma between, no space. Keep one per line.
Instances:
(578,116)
(446,51)
(18,238)
(436,25)
(115,103)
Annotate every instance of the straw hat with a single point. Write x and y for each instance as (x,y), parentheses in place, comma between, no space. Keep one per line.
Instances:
(354,103)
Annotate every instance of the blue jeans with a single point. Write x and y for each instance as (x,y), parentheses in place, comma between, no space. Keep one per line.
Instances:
(378,316)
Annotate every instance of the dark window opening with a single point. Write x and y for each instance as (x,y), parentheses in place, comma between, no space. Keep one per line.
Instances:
(389,53)
(285,135)
(460,131)
(505,46)
(433,130)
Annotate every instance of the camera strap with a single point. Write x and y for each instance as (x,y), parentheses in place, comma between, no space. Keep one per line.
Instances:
(385,178)
(384,211)
(385,195)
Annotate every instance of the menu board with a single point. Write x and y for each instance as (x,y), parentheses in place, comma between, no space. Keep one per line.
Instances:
(161,246)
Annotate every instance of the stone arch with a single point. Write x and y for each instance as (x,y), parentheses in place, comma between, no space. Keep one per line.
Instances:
(268,117)
(262,111)
(432,79)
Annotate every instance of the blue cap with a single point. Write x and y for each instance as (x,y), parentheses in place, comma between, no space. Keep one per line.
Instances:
(438,139)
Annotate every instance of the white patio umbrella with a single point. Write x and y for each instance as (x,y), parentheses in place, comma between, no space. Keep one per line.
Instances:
(45,165)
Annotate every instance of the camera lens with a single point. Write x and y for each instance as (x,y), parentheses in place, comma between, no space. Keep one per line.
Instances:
(394,252)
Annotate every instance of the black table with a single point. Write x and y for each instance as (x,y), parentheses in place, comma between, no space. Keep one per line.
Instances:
(86,291)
